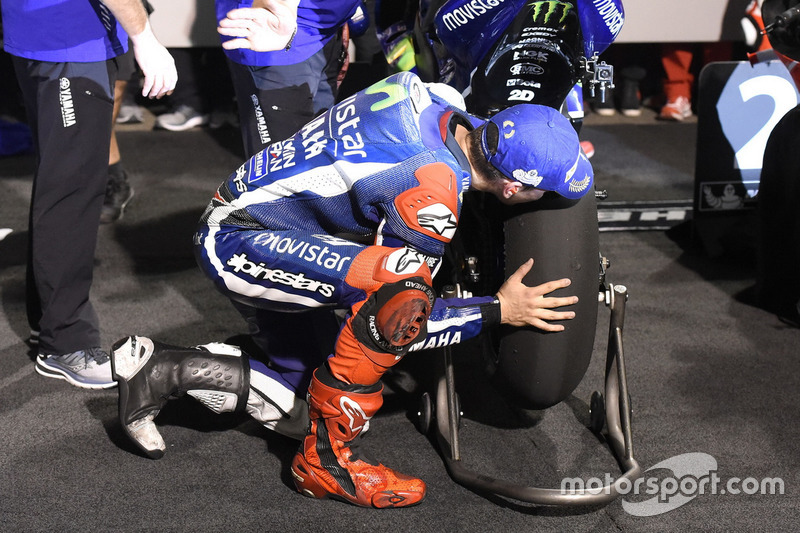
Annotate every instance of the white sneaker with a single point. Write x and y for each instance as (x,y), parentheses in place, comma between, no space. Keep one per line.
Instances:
(183,118)
(130,114)
(88,369)
(678,109)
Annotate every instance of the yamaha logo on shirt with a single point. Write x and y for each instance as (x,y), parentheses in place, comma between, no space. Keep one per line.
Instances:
(65,99)
(261,122)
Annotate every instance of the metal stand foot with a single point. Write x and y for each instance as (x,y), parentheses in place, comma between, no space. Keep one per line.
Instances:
(617,420)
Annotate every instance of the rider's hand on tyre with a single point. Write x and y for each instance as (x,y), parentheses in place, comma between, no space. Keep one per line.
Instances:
(521,305)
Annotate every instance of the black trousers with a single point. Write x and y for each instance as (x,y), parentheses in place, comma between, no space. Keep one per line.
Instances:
(276,101)
(69,108)
(204,85)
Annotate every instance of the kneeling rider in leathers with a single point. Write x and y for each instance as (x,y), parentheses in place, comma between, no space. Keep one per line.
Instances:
(284,238)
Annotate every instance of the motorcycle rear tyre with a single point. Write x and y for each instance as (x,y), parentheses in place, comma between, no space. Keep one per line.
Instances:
(537,368)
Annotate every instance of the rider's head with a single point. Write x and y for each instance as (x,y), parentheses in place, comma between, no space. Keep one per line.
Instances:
(536,147)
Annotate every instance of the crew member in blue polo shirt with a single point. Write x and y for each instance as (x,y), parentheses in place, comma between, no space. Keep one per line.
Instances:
(64,54)
(281,85)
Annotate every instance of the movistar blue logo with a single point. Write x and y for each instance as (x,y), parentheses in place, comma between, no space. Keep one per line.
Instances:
(395,92)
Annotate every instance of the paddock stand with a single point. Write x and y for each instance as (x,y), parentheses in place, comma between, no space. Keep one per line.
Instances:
(614,413)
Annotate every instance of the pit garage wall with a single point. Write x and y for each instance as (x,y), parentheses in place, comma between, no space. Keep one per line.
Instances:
(186,23)
(682,20)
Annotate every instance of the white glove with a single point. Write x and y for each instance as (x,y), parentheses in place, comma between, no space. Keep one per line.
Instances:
(160,75)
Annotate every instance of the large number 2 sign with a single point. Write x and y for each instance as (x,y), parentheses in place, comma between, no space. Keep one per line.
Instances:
(753,100)
(738,107)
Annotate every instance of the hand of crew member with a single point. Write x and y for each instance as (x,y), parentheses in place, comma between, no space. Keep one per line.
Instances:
(267,26)
(521,305)
(158,67)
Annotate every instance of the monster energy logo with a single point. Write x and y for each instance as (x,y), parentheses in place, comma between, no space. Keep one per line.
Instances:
(552,9)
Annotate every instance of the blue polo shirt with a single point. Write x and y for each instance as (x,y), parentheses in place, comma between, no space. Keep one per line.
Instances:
(317,23)
(61,31)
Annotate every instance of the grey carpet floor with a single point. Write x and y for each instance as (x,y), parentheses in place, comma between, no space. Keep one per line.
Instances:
(709,375)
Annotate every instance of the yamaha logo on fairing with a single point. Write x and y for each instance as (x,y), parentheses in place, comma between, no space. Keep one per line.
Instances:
(468,12)
(67,106)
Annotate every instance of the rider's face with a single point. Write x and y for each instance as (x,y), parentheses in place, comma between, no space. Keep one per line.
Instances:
(522,195)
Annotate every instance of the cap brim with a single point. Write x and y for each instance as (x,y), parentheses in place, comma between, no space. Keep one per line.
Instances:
(579,179)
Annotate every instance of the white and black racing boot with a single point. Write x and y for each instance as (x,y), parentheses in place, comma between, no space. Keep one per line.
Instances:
(149,373)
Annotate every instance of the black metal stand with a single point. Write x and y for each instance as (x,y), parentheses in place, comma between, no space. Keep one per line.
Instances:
(614,413)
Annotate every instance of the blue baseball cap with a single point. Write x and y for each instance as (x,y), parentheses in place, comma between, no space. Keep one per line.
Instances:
(538,146)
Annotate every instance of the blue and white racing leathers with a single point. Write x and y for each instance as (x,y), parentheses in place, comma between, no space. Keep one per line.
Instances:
(280,235)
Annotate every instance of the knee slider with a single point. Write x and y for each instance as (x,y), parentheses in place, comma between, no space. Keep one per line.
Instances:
(395,316)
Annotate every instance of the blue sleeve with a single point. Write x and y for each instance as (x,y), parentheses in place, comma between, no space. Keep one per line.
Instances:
(455,320)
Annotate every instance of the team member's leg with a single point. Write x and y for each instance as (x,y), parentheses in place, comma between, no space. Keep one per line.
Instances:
(118,189)
(395,302)
(329,64)
(72,105)
(30,92)
(277,100)
(274,102)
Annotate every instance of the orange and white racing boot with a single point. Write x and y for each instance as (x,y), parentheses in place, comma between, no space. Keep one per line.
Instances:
(329,463)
